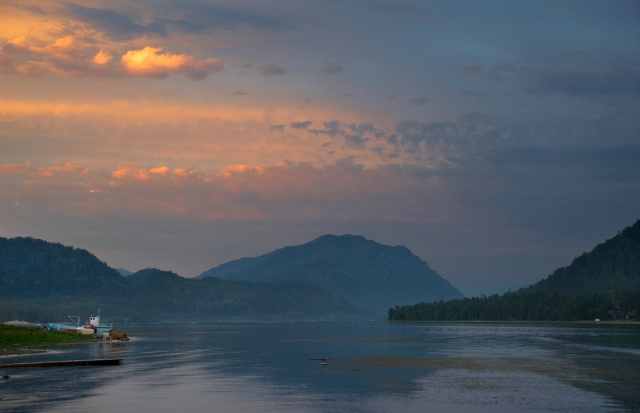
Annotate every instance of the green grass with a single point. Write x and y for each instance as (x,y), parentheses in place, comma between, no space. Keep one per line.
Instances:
(10,335)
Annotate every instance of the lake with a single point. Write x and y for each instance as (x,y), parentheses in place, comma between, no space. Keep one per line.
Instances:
(370,367)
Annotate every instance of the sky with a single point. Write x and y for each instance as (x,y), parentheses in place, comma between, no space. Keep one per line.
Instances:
(497,140)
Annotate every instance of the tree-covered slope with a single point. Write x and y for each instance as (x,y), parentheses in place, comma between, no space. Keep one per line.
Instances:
(35,268)
(167,294)
(610,266)
(369,275)
(600,284)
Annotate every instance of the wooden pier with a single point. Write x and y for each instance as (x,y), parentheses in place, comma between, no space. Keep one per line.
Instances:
(99,362)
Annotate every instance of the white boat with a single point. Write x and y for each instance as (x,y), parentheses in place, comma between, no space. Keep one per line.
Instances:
(99,327)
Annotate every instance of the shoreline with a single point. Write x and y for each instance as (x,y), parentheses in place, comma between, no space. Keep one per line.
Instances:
(608,322)
(26,349)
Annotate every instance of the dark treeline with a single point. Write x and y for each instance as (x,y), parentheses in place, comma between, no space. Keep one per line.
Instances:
(525,306)
(163,295)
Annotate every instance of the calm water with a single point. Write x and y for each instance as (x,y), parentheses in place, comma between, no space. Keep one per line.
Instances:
(371,367)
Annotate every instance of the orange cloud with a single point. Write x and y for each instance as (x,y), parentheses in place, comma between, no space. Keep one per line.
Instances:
(15,169)
(181,172)
(63,45)
(231,170)
(103,57)
(151,62)
(64,57)
(161,170)
(127,171)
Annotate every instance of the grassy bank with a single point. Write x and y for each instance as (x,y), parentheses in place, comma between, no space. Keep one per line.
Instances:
(11,336)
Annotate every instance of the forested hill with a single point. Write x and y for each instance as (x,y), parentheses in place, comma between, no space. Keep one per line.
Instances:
(369,275)
(611,266)
(35,268)
(46,281)
(604,283)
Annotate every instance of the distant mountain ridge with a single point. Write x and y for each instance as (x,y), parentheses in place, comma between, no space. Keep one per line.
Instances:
(369,275)
(123,272)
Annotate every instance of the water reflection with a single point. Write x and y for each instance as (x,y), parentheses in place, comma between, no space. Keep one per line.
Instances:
(372,367)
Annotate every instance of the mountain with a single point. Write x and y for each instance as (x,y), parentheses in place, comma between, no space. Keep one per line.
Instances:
(611,266)
(369,275)
(123,272)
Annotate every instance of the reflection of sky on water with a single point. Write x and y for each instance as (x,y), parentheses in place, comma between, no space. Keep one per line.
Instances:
(265,367)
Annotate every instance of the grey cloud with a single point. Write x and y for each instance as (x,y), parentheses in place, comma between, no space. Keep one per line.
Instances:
(580,82)
(368,128)
(418,101)
(332,128)
(114,23)
(472,93)
(279,128)
(30,8)
(240,93)
(359,136)
(301,125)
(272,69)
(355,141)
(398,9)
(190,18)
(199,18)
(573,78)
(619,164)
(479,138)
(13,49)
(331,68)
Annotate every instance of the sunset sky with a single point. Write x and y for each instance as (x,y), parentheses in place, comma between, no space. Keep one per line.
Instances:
(497,140)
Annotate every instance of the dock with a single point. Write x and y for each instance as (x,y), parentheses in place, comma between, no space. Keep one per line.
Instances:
(67,363)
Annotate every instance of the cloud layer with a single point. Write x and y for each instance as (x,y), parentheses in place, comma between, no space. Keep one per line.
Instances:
(497,141)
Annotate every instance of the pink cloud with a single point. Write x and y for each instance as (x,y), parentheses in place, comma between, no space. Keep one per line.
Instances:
(42,171)
(240,191)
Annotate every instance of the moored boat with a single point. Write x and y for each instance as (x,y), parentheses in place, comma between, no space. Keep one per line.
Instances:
(69,328)
(94,326)
(99,326)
